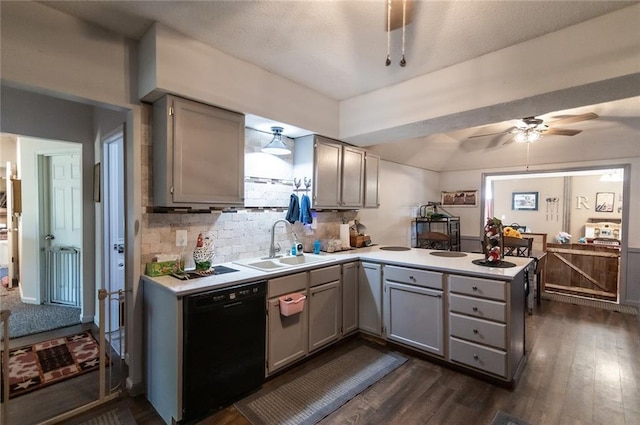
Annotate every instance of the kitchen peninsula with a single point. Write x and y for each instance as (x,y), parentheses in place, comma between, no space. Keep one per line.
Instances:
(465,315)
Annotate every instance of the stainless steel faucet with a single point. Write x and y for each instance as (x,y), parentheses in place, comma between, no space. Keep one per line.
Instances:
(272,248)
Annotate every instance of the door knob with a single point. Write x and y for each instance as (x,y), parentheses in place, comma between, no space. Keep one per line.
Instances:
(49,237)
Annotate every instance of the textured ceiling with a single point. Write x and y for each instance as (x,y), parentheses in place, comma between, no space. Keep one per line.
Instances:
(339,47)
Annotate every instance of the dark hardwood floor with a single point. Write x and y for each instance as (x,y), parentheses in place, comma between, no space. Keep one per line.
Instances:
(583,368)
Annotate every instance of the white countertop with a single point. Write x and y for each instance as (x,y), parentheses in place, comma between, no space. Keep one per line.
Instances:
(415,257)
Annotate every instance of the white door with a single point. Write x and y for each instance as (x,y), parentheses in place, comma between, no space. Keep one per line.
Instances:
(113,221)
(64,230)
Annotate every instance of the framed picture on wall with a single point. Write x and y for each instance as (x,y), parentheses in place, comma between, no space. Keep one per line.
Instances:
(525,201)
(604,201)
(460,198)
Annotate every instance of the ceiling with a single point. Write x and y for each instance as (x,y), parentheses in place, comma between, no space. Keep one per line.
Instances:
(338,48)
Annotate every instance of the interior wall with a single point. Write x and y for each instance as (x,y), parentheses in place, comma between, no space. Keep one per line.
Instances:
(219,79)
(402,189)
(587,187)
(542,220)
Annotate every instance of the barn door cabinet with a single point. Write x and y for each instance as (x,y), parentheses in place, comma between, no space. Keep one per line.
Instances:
(336,170)
(198,155)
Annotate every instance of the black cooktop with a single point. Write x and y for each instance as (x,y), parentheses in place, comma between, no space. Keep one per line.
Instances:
(195,274)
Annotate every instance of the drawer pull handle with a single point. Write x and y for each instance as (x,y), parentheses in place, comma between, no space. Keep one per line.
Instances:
(412,278)
(475,331)
(475,357)
(475,308)
(475,288)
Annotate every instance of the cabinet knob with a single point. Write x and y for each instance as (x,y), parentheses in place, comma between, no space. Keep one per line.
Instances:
(475,308)
(475,331)
(475,357)
(475,288)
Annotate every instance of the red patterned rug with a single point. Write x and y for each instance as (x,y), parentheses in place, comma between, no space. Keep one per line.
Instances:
(35,366)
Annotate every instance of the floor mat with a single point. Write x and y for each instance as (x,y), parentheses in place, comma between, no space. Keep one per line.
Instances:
(503,418)
(316,394)
(35,366)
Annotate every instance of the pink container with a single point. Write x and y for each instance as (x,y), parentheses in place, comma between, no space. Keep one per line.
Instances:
(291,304)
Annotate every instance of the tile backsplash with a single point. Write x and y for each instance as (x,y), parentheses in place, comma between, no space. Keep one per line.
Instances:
(244,233)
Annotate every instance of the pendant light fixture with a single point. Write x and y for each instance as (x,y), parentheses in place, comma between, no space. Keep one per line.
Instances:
(276,146)
(395,25)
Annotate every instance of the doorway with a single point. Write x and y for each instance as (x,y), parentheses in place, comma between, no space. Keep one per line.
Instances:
(113,212)
(582,216)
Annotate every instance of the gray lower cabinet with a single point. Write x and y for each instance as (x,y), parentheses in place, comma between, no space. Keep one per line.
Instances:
(486,324)
(324,306)
(198,155)
(350,297)
(286,335)
(370,298)
(413,308)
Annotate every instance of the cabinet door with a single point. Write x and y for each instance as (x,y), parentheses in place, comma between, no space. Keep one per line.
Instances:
(413,316)
(286,337)
(352,177)
(370,298)
(324,314)
(349,298)
(328,169)
(208,154)
(371,184)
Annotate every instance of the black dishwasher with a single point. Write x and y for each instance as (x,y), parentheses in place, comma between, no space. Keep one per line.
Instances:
(224,347)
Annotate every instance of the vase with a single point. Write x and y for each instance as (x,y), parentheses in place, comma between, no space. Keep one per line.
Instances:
(493,241)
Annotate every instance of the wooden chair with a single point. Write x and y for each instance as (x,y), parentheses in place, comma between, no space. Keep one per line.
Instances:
(517,247)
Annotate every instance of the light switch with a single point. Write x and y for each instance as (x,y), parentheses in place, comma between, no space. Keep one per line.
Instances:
(181,238)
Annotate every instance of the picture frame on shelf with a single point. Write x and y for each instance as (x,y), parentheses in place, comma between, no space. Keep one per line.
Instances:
(524,201)
(604,201)
(459,198)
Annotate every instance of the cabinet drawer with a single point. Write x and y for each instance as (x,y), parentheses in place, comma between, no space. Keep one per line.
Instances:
(287,284)
(478,330)
(486,309)
(494,289)
(474,355)
(325,275)
(414,277)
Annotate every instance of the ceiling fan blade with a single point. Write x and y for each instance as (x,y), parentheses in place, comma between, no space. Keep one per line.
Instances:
(396,13)
(510,140)
(492,134)
(562,132)
(575,118)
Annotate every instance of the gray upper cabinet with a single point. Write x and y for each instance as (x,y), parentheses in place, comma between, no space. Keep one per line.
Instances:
(198,155)
(327,184)
(336,170)
(371,184)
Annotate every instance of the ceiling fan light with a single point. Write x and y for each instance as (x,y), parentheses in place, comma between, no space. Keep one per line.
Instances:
(276,146)
(520,137)
(534,135)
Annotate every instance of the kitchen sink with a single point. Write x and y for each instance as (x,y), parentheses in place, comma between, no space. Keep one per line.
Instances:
(303,259)
(271,264)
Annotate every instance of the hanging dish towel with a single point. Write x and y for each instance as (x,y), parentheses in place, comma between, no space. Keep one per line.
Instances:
(293,213)
(305,210)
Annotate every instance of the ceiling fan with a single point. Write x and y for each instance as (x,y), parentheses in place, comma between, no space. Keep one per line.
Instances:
(531,129)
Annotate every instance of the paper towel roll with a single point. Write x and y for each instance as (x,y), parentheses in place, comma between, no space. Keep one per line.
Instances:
(344,236)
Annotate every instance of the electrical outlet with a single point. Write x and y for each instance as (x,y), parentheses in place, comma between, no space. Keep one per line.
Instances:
(181,238)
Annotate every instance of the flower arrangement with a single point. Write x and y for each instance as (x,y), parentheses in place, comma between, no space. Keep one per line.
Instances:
(493,240)
(511,232)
